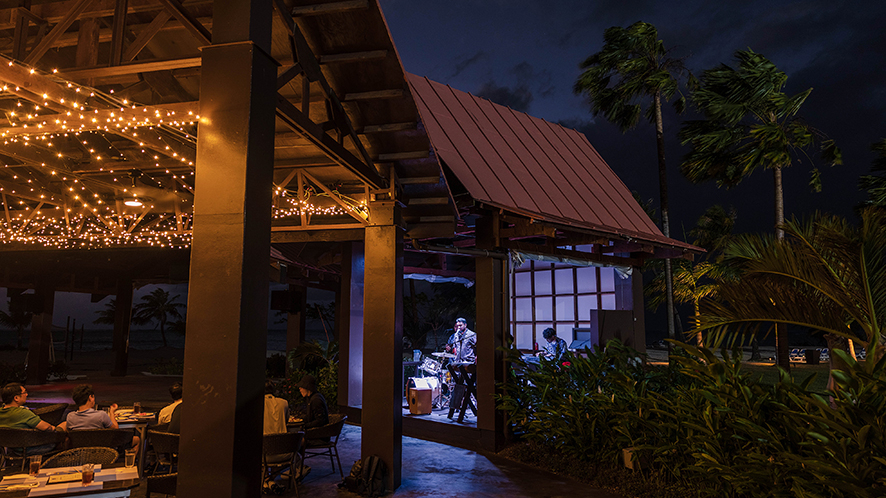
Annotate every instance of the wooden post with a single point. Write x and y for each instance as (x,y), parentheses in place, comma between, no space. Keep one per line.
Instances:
(221,430)
(349,324)
(382,416)
(295,322)
(122,319)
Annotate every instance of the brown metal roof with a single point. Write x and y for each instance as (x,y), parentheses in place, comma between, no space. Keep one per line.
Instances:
(529,166)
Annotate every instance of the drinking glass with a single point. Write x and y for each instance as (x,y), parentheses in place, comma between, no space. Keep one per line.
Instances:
(130,458)
(35,461)
(88,471)
(136,408)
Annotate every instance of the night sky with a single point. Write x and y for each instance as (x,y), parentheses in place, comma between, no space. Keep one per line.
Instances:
(525,54)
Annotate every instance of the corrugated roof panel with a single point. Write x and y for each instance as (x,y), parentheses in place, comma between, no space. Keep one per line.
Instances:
(533,167)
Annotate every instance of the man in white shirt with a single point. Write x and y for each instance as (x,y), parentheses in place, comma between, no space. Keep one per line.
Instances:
(166,413)
(276,411)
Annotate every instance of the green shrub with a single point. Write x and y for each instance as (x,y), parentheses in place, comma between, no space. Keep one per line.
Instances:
(704,424)
(171,366)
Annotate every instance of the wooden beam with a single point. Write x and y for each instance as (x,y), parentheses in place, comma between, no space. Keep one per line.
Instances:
(188,21)
(431,230)
(145,36)
(627,247)
(299,122)
(378,94)
(409,125)
(420,180)
(316,235)
(400,156)
(5,206)
(130,68)
(440,272)
(353,57)
(118,31)
(299,228)
(75,10)
(329,8)
(336,199)
(566,253)
(106,118)
(428,201)
(528,230)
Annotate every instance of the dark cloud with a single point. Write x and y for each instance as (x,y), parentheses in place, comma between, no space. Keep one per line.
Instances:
(528,76)
(517,97)
(465,63)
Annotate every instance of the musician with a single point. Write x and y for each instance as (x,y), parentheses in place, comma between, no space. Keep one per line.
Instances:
(555,346)
(462,343)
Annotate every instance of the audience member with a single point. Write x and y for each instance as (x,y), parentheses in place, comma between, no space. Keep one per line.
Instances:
(166,413)
(15,416)
(87,417)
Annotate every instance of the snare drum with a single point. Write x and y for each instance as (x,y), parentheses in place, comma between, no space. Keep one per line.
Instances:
(431,366)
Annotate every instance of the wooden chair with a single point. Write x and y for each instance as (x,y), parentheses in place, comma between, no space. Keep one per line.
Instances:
(279,454)
(314,446)
(79,456)
(23,440)
(106,438)
(165,447)
(51,413)
(164,484)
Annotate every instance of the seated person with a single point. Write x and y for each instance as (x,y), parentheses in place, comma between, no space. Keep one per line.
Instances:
(87,417)
(555,346)
(317,414)
(166,413)
(276,411)
(175,420)
(14,415)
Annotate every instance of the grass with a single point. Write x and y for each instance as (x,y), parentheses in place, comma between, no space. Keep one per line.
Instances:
(799,371)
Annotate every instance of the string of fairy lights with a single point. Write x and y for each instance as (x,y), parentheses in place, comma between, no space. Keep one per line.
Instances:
(75,126)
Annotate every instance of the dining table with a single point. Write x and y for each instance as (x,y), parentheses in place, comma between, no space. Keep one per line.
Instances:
(112,482)
(126,419)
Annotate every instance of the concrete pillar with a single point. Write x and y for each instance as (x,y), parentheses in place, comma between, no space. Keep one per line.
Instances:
(349,326)
(382,416)
(295,322)
(122,319)
(221,430)
(41,334)
(492,329)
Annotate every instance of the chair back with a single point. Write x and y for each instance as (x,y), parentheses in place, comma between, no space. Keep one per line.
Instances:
(51,413)
(106,438)
(282,443)
(164,484)
(25,438)
(79,456)
(330,430)
(163,442)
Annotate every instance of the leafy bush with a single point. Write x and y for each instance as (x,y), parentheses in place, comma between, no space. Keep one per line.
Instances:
(12,373)
(172,366)
(318,360)
(275,366)
(706,425)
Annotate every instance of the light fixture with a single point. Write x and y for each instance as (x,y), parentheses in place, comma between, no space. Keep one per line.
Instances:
(133,201)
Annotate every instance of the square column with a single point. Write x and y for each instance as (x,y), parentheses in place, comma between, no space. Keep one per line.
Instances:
(221,429)
(382,416)
(349,325)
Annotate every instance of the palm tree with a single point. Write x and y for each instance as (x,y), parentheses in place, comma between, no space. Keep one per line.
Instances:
(827,275)
(694,282)
(17,318)
(875,183)
(632,67)
(107,316)
(751,124)
(157,306)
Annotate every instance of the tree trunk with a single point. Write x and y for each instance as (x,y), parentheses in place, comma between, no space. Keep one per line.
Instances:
(665,217)
(698,336)
(782,348)
(162,330)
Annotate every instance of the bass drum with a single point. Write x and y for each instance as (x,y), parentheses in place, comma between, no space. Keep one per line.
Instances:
(431,383)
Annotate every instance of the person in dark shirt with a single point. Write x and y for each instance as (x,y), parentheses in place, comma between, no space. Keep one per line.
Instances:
(318,413)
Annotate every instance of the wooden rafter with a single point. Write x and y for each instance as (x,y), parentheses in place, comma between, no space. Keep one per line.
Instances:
(329,8)
(118,31)
(132,68)
(348,209)
(188,21)
(353,57)
(102,119)
(146,35)
(59,29)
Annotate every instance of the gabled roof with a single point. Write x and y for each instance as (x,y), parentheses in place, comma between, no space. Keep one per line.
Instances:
(529,166)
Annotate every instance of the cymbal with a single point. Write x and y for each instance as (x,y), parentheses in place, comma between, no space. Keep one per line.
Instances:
(444,355)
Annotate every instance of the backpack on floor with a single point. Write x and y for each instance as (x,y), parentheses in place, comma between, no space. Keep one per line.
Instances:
(375,473)
(353,480)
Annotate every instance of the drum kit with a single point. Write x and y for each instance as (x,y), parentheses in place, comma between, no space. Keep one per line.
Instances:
(441,381)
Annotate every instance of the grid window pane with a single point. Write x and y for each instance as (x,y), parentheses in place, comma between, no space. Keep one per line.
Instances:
(564,331)
(543,283)
(565,308)
(544,308)
(587,279)
(523,283)
(608,301)
(607,279)
(524,336)
(585,305)
(523,313)
(563,281)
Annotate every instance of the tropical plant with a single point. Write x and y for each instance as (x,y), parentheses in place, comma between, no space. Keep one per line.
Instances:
(875,183)
(157,307)
(750,123)
(634,67)
(107,315)
(17,318)
(316,359)
(826,275)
